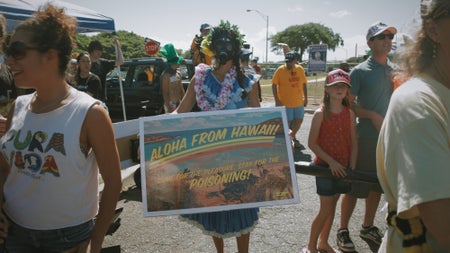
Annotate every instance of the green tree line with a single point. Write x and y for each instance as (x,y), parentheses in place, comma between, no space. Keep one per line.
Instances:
(298,37)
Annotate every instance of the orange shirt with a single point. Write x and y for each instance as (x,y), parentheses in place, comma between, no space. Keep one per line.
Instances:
(290,85)
(195,54)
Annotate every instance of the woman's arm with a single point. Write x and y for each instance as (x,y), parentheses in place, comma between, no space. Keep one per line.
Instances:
(100,136)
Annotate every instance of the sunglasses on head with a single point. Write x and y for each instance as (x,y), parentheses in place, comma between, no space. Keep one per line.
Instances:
(17,50)
(383,36)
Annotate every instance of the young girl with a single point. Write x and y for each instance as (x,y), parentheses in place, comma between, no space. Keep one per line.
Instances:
(332,138)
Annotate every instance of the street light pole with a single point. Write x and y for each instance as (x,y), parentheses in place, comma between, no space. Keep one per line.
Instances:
(266,17)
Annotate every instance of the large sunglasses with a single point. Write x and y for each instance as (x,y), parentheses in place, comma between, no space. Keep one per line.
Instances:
(383,36)
(17,50)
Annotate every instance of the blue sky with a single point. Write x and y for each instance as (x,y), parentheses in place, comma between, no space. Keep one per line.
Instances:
(177,21)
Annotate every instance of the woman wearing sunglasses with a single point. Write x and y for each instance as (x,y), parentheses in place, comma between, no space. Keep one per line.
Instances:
(58,139)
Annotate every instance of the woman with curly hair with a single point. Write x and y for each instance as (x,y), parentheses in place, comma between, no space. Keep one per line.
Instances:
(58,140)
(223,86)
(413,152)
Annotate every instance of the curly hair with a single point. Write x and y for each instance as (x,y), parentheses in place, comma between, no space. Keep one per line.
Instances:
(51,28)
(416,57)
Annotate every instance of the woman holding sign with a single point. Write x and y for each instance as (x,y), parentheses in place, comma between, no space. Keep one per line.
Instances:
(223,86)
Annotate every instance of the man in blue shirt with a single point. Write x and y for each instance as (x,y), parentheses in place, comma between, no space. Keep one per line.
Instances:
(370,92)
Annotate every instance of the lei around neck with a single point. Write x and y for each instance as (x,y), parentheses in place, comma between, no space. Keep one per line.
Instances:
(206,100)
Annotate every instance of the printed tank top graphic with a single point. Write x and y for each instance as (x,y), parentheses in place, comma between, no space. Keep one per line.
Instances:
(38,145)
(33,152)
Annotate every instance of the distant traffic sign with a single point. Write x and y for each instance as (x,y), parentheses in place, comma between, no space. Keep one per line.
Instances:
(151,47)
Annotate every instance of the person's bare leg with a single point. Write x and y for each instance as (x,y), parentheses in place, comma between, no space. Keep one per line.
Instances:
(295,126)
(218,242)
(243,242)
(325,232)
(372,202)
(347,206)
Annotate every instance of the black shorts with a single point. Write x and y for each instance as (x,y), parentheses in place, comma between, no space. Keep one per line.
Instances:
(366,162)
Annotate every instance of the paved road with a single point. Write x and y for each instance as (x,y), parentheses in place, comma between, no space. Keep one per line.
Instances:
(282,229)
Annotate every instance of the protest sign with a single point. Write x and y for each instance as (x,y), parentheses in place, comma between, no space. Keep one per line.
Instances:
(218,160)
(317,61)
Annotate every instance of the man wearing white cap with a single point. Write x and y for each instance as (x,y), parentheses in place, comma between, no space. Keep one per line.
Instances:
(370,92)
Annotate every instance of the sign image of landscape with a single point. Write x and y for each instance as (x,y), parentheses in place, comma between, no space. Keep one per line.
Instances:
(212,161)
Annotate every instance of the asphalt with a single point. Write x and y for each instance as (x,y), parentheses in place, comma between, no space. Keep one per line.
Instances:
(281,229)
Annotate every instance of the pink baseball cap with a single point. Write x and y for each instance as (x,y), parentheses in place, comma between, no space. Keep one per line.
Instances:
(337,76)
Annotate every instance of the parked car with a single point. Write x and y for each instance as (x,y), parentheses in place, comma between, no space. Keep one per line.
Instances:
(141,87)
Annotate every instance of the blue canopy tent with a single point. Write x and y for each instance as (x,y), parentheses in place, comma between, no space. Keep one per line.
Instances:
(88,20)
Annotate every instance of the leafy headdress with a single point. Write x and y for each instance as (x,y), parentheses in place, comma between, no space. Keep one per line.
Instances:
(224,41)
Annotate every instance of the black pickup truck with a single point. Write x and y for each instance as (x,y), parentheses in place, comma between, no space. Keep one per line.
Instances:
(141,87)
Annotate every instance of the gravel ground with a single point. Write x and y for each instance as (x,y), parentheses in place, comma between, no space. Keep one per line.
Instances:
(282,229)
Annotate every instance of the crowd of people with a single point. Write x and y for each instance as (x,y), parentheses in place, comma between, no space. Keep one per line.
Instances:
(361,124)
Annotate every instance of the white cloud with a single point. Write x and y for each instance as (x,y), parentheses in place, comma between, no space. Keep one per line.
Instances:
(340,14)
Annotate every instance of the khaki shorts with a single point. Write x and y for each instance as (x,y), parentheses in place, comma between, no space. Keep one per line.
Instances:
(366,162)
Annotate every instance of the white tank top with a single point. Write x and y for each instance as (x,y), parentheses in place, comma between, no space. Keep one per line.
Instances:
(51,184)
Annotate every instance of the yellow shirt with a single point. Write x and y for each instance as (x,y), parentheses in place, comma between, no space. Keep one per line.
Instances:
(290,85)
(195,54)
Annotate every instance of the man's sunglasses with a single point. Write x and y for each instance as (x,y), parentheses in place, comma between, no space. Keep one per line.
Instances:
(383,36)
(17,50)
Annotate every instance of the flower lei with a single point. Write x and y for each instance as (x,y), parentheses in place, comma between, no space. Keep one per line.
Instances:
(206,100)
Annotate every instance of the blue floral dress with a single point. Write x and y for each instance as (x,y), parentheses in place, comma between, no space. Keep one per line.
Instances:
(213,95)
